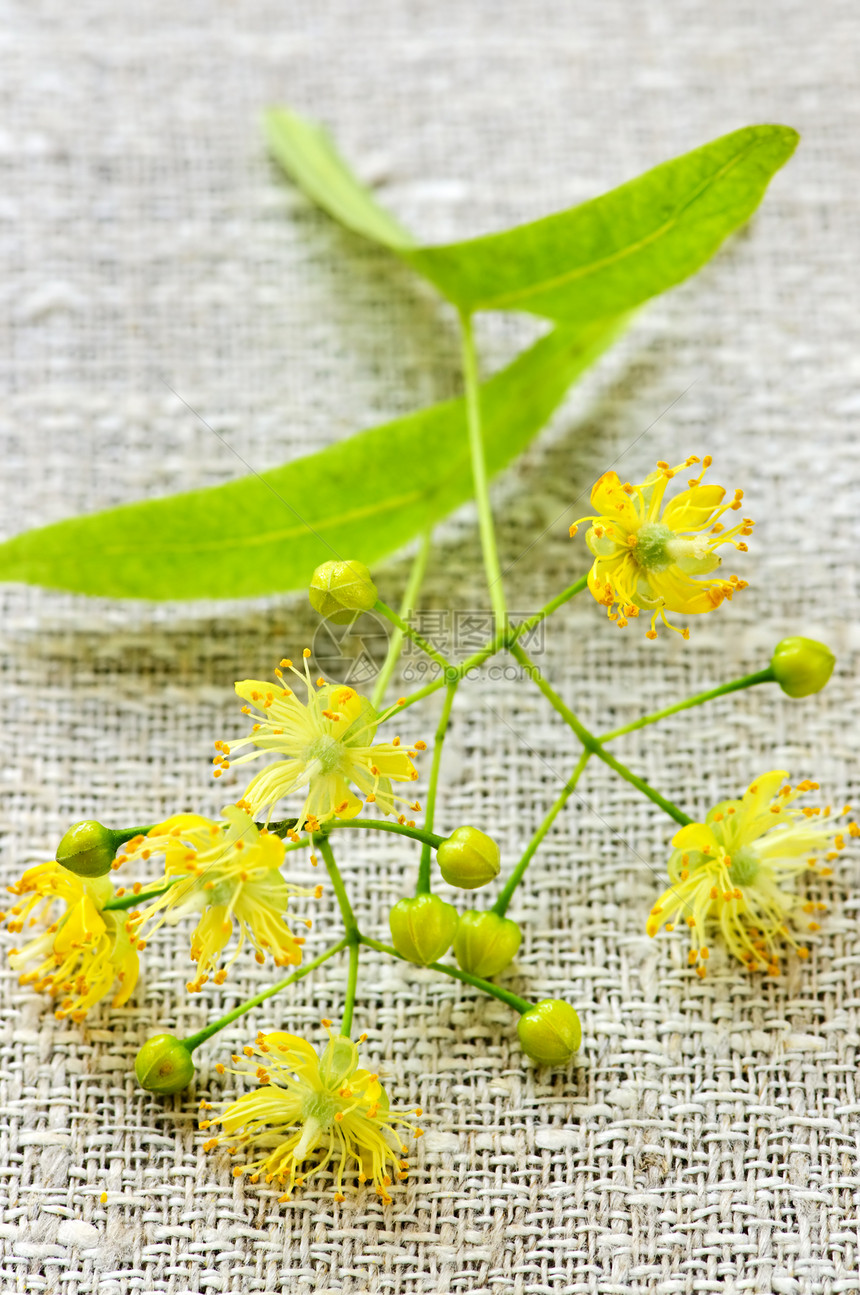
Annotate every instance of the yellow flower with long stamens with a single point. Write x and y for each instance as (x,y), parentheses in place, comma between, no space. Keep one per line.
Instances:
(327,744)
(732,875)
(308,1106)
(84,952)
(652,561)
(230,873)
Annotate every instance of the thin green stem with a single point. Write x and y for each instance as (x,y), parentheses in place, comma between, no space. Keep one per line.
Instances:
(349,923)
(504,899)
(195,1040)
(486,986)
(380,825)
(592,743)
(668,806)
(552,606)
(479,473)
(400,624)
(747,681)
(131,900)
(407,609)
(423,885)
(351,983)
(504,638)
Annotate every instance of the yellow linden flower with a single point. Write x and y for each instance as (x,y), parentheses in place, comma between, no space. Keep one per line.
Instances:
(645,560)
(733,873)
(310,1105)
(84,951)
(326,742)
(230,873)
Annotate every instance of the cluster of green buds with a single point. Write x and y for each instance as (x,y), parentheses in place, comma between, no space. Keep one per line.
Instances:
(424,927)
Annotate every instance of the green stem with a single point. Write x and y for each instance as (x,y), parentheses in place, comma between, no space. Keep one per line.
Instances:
(592,743)
(552,606)
(194,1040)
(379,825)
(479,473)
(495,991)
(119,835)
(423,885)
(504,638)
(407,608)
(351,983)
(504,899)
(747,681)
(131,900)
(349,923)
(400,624)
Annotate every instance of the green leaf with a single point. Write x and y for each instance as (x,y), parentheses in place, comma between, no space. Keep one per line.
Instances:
(362,498)
(611,254)
(306,152)
(593,261)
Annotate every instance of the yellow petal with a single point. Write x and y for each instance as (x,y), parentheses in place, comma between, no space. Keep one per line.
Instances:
(680,593)
(255,691)
(292,1051)
(693,509)
(695,836)
(609,499)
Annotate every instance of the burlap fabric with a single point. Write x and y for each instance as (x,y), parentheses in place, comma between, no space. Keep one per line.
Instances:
(706,1139)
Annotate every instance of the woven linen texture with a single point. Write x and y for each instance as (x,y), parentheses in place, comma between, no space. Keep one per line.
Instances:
(706,1138)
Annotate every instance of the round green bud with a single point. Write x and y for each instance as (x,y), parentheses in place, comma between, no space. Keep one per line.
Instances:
(88,849)
(485,943)
(340,590)
(468,859)
(802,666)
(550,1032)
(164,1065)
(422,928)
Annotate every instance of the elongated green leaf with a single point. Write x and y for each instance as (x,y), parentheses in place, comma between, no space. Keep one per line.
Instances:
(613,253)
(362,498)
(306,152)
(593,261)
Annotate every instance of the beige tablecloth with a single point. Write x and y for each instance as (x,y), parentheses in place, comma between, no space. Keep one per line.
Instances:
(706,1138)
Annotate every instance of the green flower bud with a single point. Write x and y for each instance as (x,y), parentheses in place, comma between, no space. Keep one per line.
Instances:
(468,858)
(164,1065)
(550,1032)
(485,943)
(802,666)
(422,928)
(340,590)
(89,849)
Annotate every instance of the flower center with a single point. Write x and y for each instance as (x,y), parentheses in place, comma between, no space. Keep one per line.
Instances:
(327,750)
(651,548)
(321,1108)
(745,866)
(222,892)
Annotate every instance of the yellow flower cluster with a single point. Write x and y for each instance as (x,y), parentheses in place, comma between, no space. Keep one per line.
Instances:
(732,875)
(229,872)
(653,561)
(325,744)
(84,951)
(324,1108)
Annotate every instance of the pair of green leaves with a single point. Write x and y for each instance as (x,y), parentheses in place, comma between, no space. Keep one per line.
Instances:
(584,269)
